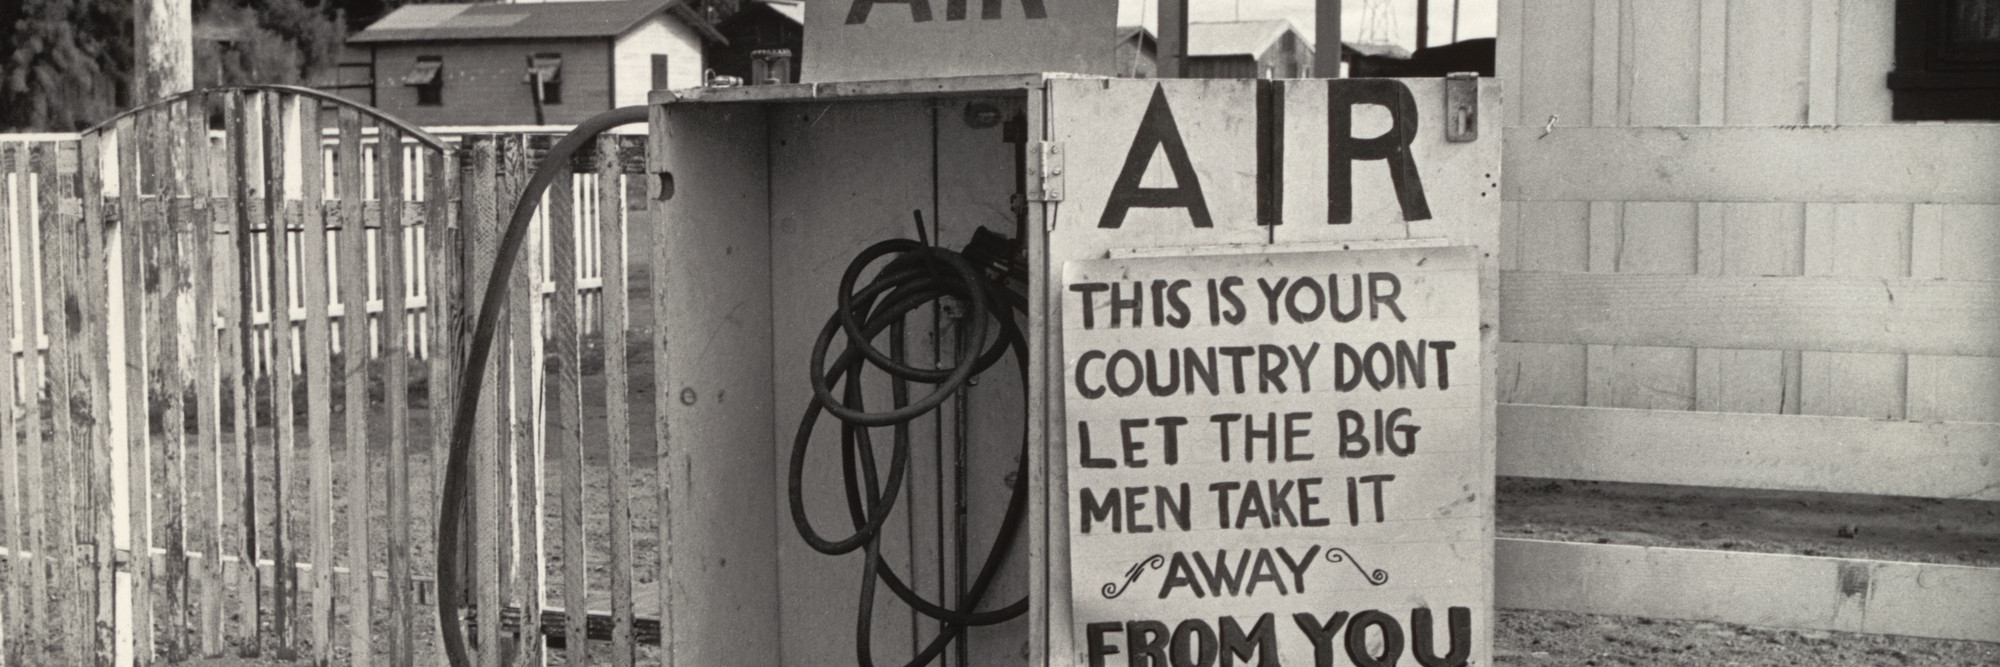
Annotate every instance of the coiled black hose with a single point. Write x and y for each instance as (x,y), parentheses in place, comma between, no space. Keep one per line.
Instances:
(916,274)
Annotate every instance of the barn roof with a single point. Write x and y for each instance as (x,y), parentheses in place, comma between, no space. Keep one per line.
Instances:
(1126,32)
(553,20)
(1237,38)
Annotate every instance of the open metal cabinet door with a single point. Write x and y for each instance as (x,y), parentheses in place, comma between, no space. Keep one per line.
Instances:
(1266,386)
(711,294)
(763,197)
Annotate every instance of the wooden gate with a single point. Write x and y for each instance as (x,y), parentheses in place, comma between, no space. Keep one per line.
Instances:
(236,317)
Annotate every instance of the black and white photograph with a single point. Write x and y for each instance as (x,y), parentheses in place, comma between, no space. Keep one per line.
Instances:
(975,333)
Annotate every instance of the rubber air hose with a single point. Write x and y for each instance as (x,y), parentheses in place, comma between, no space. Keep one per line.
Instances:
(916,274)
(451,513)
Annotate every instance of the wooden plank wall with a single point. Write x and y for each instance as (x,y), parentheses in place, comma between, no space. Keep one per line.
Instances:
(1723,265)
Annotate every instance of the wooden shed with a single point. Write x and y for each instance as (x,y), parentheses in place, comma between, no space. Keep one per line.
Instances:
(478,64)
(1248,50)
(1727,263)
(756,32)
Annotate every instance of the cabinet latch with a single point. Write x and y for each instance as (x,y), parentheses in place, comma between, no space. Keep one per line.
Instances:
(1046,163)
(1461,107)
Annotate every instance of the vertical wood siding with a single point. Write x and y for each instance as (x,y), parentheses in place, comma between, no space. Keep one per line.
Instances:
(1742,150)
(1674,63)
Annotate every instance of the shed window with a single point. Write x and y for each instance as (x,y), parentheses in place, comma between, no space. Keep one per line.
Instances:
(428,78)
(545,73)
(1947,60)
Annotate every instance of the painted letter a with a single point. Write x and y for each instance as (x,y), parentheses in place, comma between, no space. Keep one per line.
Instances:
(1157,130)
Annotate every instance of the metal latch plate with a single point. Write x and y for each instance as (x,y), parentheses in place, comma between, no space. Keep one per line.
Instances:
(1047,167)
(1461,107)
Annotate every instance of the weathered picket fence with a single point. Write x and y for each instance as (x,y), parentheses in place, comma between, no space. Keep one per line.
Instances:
(179,477)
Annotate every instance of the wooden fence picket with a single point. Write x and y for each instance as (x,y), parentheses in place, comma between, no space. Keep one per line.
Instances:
(521,571)
(238,476)
(279,219)
(58,270)
(97,372)
(396,382)
(44,563)
(566,414)
(205,374)
(353,254)
(616,319)
(319,376)
(482,574)
(132,221)
(444,312)
(20,623)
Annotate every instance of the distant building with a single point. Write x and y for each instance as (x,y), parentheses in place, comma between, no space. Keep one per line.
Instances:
(508,64)
(1137,51)
(765,41)
(1246,49)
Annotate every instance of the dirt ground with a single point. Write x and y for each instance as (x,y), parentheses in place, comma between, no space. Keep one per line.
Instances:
(1562,638)
(1813,524)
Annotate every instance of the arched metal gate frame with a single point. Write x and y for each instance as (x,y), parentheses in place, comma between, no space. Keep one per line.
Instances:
(248,266)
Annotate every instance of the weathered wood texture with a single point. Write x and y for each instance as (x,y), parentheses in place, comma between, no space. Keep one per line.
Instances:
(353,286)
(191,300)
(521,446)
(1657,139)
(565,427)
(1830,313)
(611,263)
(1801,453)
(235,310)
(482,572)
(1717,255)
(1773,590)
(319,376)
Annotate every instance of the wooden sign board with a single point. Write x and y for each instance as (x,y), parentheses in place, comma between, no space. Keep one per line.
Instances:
(1276,404)
(1280,448)
(869,40)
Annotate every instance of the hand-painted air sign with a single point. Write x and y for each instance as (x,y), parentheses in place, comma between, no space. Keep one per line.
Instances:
(1276,391)
(867,40)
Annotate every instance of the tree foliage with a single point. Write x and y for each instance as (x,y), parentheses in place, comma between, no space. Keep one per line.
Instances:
(67,64)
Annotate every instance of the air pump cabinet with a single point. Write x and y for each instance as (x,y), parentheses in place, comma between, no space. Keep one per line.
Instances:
(1259,406)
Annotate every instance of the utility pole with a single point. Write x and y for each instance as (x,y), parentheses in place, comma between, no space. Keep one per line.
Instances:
(1326,24)
(1423,24)
(165,49)
(1170,60)
(1454,21)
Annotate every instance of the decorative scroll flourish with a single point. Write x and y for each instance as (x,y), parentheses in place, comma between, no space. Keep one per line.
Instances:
(1115,589)
(1337,554)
